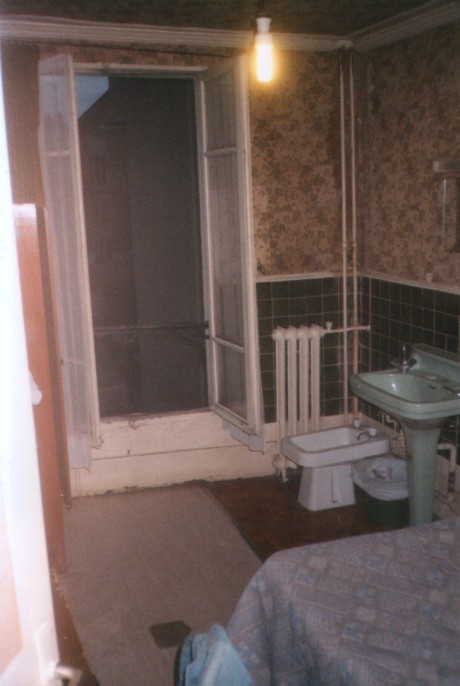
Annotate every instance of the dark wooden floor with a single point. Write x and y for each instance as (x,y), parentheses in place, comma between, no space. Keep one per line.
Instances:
(268,515)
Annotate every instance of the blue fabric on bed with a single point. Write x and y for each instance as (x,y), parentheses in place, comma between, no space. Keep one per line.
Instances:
(211,660)
(375,610)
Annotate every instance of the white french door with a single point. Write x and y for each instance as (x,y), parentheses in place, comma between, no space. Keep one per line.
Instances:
(233,368)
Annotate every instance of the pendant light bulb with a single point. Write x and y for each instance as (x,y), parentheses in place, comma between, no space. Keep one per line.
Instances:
(264,50)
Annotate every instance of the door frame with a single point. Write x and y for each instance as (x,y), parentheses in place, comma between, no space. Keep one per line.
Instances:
(252,390)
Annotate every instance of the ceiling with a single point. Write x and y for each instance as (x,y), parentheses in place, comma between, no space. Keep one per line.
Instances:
(325,17)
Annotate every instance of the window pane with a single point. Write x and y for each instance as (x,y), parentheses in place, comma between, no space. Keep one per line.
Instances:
(226,248)
(232,381)
(151,371)
(220,108)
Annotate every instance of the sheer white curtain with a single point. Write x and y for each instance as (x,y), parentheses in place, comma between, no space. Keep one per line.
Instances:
(58,136)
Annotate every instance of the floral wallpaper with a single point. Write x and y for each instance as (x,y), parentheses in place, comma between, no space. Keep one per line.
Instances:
(295,135)
(409,118)
(295,130)
(407,97)
(167,55)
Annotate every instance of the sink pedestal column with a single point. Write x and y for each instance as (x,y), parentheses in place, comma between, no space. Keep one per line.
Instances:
(422,450)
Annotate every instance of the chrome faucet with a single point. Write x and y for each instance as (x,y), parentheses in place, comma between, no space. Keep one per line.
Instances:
(452,389)
(406,363)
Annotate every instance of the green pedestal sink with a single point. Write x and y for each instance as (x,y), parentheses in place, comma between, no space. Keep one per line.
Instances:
(422,398)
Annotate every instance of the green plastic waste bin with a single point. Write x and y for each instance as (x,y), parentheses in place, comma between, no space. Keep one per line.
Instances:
(382,484)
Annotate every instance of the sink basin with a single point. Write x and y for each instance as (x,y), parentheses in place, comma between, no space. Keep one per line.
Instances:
(416,396)
(422,400)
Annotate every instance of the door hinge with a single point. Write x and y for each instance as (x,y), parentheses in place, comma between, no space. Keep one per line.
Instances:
(70,676)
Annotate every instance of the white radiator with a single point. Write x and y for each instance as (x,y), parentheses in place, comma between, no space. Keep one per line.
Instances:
(298,389)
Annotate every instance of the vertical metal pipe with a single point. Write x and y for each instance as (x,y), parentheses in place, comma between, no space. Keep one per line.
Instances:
(354,245)
(344,240)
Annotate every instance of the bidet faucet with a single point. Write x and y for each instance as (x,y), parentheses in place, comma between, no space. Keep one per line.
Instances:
(370,432)
(406,363)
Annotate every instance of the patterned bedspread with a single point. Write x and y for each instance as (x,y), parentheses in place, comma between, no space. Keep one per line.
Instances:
(378,609)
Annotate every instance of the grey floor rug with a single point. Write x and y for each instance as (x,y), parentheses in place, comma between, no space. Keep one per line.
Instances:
(145,568)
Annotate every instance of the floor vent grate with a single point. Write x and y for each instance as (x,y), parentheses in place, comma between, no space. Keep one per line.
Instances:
(169,634)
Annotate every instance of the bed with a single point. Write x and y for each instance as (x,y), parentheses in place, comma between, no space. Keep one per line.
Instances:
(381,609)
